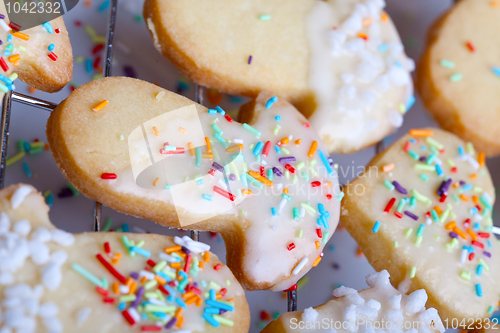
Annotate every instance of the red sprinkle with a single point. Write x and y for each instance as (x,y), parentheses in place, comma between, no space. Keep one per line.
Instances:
(262,171)
(128,317)
(315,183)
(97,62)
(471,256)
(389,205)
(108,176)
(4,65)
(467,223)
(470,46)
(328,196)
(398,214)
(107,248)
(290,246)
(454,169)
(211,172)
(57,30)
(97,48)
(443,198)
(479,245)
(479,208)
(228,118)
(226,194)
(108,300)
(163,290)
(222,292)
(187,265)
(265,315)
(198,291)
(484,234)
(217,267)
(102,291)
(307,125)
(267,146)
(151,328)
(290,168)
(151,263)
(407,146)
(15,26)
(52,56)
(292,288)
(319,233)
(111,269)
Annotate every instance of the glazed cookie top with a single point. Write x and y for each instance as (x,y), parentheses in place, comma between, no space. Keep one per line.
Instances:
(266,185)
(340,62)
(426,209)
(380,308)
(53,281)
(40,56)
(459,73)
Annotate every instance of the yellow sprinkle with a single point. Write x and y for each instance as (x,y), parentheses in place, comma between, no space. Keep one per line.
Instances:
(207,155)
(384,17)
(182,130)
(157,180)
(235,148)
(157,132)
(99,106)
(191,148)
(245,191)
(160,95)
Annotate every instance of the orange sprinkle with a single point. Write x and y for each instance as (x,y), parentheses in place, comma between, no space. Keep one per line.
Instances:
(209,148)
(46,146)
(14,58)
(230,300)
(200,264)
(17,63)
(218,296)
(473,176)
(481,158)
(472,234)
(359,253)
(157,132)
(157,180)
(450,225)
(143,280)
(88,3)
(99,106)
(245,191)
(312,149)
(206,256)
(182,254)
(421,132)
(318,244)
(133,287)
(328,184)
(438,210)
(160,280)
(180,321)
(31,90)
(298,141)
(285,190)
(171,249)
(494,3)
(475,199)
(187,295)
(191,148)
(384,17)
(284,141)
(115,288)
(129,282)
(180,310)
(456,185)
(316,262)
(464,197)
(235,148)
(198,301)
(362,35)
(114,261)
(207,156)
(20,35)
(175,265)
(460,233)
(388,167)
(118,255)
(260,178)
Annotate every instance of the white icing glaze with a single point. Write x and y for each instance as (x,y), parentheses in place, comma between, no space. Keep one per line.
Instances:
(364,310)
(18,197)
(262,230)
(358,84)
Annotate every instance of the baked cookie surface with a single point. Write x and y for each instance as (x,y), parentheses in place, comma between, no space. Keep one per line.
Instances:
(458,76)
(340,62)
(427,220)
(266,185)
(52,281)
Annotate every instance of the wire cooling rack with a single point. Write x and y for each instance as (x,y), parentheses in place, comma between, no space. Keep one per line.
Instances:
(49,106)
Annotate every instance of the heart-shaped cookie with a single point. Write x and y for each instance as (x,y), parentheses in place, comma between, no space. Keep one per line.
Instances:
(41,56)
(422,210)
(53,281)
(339,61)
(266,185)
(459,73)
(380,307)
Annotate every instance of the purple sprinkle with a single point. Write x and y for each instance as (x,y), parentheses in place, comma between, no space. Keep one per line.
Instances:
(277,172)
(218,166)
(399,188)
(287,159)
(65,193)
(443,188)
(250,59)
(129,71)
(137,300)
(195,284)
(2,17)
(453,235)
(171,323)
(330,160)
(462,183)
(487,254)
(1,42)
(232,177)
(335,266)
(422,159)
(222,311)
(410,214)
(185,250)
(134,275)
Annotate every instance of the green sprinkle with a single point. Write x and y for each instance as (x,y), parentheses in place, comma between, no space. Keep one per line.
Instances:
(395,244)
(127,245)
(408,232)
(490,309)
(159,308)
(73,190)
(389,185)
(413,202)
(401,205)
(214,285)
(445,215)
(264,17)
(455,198)
(470,148)
(35,145)
(424,177)
(217,129)
(251,129)
(482,262)
(418,240)
(424,167)
(223,320)
(326,234)
(159,266)
(15,158)
(456,77)
(308,207)
(465,275)
(104,283)
(284,150)
(127,298)
(447,64)
(107,225)
(276,129)
(420,197)
(302,282)
(434,143)
(450,162)
(301,233)
(121,137)
(295,213)
(413,270)
(86,274)
(431,159)
(413,155)
(300,165)
(485,202)
(420,230)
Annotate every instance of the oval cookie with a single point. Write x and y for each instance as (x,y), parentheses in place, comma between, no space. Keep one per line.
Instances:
(422,210)
(340,62)
(53,281)
(266,185)
(459,75)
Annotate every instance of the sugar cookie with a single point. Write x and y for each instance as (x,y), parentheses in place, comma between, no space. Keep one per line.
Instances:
(26,54)
(380,308)
(265,185)
(459,73)
(422,210)
(341,62)
(53,281)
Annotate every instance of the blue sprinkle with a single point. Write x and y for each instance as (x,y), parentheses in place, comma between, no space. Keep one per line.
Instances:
(104,6)
(220,110)
(27,170)
(141,251)
(88,66)
(183,274)
(211,320)
(271,101)
(212,295)
(277,148)
(219,305)
(467,187)
(121,306)
(125,228)
(200,181)
(212,111)
(48,27)
(410,103)
(439,171)
(461,150)
(496,71)
(479,269)
(383,48)
(207,197)
(9,38)
(6,53)
(376,226)
(278,118)
(181,303)
(26,146)
(473,211)
(258,148)
(325,162)
(321,208)
(50,200)
(211,311)
(51,47)
(489,243)
(273,211)
(479,291)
